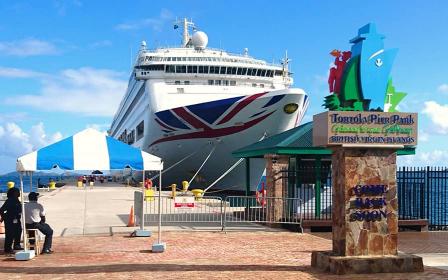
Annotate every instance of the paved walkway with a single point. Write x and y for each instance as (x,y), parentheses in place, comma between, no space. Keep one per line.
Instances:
(189,255)
(102,253)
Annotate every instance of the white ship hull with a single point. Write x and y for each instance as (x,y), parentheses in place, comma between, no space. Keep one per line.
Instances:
(246,121)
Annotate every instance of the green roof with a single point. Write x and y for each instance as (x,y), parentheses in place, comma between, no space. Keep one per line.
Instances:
(296,141)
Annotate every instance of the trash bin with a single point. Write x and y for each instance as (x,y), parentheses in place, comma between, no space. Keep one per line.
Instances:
(149,195)
(52,185)
(10,185)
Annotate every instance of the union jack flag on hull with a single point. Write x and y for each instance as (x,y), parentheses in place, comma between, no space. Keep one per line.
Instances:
(212,119)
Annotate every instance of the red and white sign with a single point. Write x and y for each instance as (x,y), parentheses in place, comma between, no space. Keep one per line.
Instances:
(184,202)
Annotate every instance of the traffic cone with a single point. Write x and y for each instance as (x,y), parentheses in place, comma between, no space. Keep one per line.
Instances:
(2,228)
(131,220)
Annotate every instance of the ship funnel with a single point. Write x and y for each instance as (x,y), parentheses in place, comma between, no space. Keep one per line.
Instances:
(199,40)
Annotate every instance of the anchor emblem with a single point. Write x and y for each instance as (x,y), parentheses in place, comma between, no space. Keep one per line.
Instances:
(378,62)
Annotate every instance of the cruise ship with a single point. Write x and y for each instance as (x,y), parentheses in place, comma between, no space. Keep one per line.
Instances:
(193,105)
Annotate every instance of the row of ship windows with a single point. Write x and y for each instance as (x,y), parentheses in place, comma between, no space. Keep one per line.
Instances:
(203,69)
(129,138)
(211,83)
(223,59)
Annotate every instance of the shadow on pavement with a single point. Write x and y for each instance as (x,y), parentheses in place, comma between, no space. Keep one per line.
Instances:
(148,267)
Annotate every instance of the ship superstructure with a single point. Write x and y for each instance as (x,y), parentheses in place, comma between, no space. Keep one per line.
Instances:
(203,103)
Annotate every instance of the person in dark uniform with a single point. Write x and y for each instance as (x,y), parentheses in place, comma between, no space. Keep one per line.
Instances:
(10,212)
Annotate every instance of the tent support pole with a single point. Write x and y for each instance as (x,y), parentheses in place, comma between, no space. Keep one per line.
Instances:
(25,245)
(160,210)
(25,254)
(31,181)
(142,222)
(159,247)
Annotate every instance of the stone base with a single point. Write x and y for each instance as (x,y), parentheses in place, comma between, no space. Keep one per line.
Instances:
(401,263)
(142,233)
(25,255)
(159,247)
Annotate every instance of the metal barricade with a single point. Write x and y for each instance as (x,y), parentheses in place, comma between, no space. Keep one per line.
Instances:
(265,210)
(206,210)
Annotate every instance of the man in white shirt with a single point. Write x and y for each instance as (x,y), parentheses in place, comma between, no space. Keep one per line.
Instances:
(35,219)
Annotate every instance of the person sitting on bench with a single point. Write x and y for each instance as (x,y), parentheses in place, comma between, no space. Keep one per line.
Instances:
(35,219)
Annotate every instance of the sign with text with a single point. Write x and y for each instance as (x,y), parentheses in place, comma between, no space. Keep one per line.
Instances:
(364,128)
(184,202)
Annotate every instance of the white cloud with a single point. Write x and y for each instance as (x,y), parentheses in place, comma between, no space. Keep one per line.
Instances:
(28,47)
(15,142)
(100,127)
(156,23)
(443,88)
(100,44)
(7,72)
(89,91)
(438,114)
(433,158)
(423,136)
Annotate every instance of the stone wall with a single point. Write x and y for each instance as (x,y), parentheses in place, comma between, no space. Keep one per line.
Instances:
(364,167)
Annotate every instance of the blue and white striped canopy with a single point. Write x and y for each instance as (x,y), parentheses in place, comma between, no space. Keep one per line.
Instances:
(88,150)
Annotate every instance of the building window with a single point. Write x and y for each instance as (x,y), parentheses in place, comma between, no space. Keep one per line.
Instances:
(225,82)
(181,69)
(177,82)
(223,70)
(186,82)
(140,130)
(191,69)
(262,85)
(131,137)
(254,85)
(233,83)
(180,90)
(170,69)
(210,82)
(218,82)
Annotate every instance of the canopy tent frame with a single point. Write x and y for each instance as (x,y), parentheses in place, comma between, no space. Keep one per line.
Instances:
(112,154)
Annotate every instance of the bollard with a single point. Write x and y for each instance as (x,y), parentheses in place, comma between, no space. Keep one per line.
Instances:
(149,195)
(173,190)
(197,193)
(185,186)
(52,185)
(10,185)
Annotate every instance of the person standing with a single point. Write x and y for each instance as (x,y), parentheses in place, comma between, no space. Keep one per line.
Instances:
(35,219)
(10,212)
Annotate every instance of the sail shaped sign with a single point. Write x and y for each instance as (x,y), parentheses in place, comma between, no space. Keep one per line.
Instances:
(360,79)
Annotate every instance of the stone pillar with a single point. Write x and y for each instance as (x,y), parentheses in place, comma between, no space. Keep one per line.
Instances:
(275,184)
(369,176)
(365,215)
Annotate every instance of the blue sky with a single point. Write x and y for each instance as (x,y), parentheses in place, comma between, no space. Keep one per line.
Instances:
(64,65)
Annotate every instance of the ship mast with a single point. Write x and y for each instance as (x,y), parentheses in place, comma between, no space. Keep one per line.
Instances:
(185,34)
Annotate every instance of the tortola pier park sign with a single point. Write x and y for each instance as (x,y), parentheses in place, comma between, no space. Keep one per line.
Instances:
(364,130)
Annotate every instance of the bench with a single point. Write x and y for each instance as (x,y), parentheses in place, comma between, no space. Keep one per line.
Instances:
(326,225)
(34,240)
(420,225)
